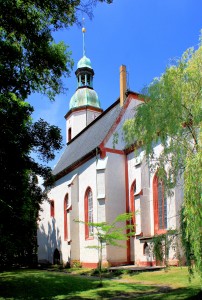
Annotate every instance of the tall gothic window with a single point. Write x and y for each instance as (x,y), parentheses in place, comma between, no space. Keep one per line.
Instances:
(88,206)
(132,202)
(69,134)
(52,208)
(160,206)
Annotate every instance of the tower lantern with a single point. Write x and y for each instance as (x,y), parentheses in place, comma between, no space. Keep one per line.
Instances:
(84,105)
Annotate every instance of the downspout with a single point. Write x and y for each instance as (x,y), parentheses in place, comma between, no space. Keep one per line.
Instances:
(96,155)
(128,245)
(122,99)
(86,116)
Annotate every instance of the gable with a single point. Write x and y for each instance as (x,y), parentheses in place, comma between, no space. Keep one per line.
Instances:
(98,134)
(115,137)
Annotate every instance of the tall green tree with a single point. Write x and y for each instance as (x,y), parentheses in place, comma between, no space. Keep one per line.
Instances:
(30,61)
(20,195)
(172,115)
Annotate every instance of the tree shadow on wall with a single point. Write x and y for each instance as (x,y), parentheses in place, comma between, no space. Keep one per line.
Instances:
(49,244)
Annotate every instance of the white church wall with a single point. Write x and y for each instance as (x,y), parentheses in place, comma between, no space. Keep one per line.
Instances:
(74,226)
(171,212)
(146,203)
(77,122)
(92,115)
(46,241)
(79,119)
(115,200)
(101,166)
(58,194)
(138,173)
(144,253)
(139,257)
(87,178)
(52,228)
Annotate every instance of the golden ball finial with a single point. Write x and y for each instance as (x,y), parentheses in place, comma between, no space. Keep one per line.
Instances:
(83,29)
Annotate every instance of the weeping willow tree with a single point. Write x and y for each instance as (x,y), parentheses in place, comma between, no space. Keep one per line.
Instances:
(172,115)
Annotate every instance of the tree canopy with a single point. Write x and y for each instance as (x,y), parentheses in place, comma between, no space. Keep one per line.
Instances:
(30,61)
(172,115)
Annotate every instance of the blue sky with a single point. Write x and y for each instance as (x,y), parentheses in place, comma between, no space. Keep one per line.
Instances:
(144,35)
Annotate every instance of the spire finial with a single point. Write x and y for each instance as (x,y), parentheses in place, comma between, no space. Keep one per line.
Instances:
(83,30)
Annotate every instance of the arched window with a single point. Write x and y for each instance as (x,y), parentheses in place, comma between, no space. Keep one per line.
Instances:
(65,217)
(52,208)
(69,134)
(83,80)
(88,207)
(160,206)
(132,202)
(88,79)
(56,257)
(145,248)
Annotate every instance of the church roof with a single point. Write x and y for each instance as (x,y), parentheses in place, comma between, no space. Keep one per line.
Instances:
(88,139)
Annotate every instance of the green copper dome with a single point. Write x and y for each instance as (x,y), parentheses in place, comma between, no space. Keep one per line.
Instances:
(85,94)
(83,97)
(84,62)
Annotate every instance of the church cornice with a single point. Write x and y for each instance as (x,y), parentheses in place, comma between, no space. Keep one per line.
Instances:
(84,87)
(78,163)
(84,107)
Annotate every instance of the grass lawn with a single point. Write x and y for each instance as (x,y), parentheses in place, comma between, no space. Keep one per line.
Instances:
(39,284)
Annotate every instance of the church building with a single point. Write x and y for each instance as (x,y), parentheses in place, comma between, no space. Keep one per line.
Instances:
(97,178)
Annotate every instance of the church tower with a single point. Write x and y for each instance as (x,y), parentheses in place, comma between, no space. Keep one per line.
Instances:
(84,105)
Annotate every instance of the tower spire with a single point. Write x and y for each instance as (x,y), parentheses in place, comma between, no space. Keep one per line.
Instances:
(84,31)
